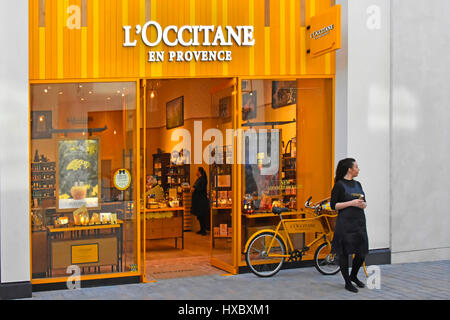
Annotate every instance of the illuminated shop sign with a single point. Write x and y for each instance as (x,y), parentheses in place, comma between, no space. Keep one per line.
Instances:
(189,36)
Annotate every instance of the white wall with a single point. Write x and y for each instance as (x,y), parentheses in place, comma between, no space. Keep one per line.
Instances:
(341,91)
(420,130)
(14,155)
(362,106)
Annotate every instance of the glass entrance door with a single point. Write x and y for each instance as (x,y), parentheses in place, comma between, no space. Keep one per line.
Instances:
(223,182)
(183,135)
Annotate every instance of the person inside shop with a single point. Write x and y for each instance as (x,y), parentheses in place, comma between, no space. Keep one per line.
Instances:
(154,190)
(350,235)
(200,203)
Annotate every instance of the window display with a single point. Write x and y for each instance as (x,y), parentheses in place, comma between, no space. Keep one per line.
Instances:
(79,216)
(269,146)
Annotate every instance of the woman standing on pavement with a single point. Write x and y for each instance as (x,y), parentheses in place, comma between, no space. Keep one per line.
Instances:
(350,236)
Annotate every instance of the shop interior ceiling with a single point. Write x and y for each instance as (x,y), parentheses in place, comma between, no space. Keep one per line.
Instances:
(95,96)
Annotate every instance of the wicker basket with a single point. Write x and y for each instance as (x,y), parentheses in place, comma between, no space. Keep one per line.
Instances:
(331,221)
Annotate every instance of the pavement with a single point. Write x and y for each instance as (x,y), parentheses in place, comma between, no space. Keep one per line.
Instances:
(412,281)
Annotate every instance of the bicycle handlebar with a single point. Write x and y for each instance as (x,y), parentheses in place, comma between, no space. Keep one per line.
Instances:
(278,210)
(309,206)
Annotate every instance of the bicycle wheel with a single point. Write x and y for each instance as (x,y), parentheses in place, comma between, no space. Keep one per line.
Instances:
(259,262)
(330,264)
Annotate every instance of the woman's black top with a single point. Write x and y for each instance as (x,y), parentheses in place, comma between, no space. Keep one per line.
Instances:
(350,235)
(200,203)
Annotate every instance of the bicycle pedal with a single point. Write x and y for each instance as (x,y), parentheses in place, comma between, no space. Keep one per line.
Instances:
(296,256)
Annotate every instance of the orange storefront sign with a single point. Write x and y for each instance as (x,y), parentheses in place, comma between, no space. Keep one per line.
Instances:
(325,32)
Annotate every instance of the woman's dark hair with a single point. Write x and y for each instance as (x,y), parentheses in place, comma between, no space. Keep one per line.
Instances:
(342,168)
(202,171)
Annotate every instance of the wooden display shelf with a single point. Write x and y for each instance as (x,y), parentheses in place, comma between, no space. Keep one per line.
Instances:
(53,229)
(164,209)
(108,246)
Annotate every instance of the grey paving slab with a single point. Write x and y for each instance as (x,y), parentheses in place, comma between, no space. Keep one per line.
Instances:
(426,280)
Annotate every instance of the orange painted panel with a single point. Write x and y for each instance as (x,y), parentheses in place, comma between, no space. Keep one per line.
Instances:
(315,142)
(97,52)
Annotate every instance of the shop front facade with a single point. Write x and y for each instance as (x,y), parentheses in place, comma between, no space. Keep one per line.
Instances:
(140,90)
(131,94)
(85,122)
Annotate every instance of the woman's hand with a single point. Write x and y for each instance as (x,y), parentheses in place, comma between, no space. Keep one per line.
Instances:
(353,203)
(359,203)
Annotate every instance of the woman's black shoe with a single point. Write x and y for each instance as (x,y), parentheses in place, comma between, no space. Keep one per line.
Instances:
(202,232)
(358,283)
(351,288)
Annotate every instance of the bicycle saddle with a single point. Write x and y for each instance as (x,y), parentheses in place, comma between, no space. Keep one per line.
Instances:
(278,210)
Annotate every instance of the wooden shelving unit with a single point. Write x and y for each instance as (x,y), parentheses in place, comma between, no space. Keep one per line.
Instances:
(220,183)
(161,162)
(43,181)
(187,204)
(288,178)
(176,176)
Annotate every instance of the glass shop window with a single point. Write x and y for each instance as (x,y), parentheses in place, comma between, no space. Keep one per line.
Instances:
(83,169)
(269,147)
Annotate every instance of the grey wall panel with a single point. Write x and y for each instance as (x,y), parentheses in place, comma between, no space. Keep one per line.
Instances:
(420,130)
(14,142)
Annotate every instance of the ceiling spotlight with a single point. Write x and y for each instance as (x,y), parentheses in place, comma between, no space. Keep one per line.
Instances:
(82,99)
(109,98)
(80,86)
(115,132)
(123,94)
(46,90)
(90,92)
(60,92)
(152,94)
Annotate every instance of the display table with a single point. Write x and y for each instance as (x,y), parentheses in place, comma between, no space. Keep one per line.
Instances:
(86,246)
(159,227)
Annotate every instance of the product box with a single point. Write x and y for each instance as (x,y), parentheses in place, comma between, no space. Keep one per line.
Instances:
(223,230)
(216,231)
(224,181)
(230,232)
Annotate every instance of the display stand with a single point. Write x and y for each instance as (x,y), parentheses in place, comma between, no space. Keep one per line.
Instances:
(161,163)
(220,183)
(187,204)
(43,181)
(161,228)
(177,175)
(86,246)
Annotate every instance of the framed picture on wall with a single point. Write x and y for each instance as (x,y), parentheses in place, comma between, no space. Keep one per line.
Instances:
(41,125)
(78,174)
(175,113)
(249,101)
(225,109)
(284,93)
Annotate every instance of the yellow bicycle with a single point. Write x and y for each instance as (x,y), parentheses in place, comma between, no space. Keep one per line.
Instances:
(267,250)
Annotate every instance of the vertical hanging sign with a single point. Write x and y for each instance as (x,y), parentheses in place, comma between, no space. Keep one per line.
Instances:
(325,32)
